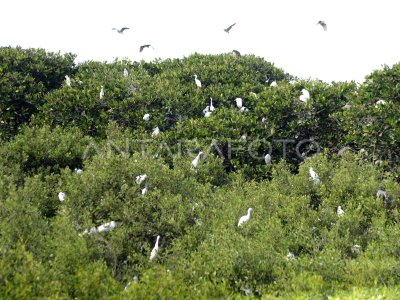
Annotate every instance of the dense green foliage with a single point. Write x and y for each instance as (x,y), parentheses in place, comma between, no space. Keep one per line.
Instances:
(294,246)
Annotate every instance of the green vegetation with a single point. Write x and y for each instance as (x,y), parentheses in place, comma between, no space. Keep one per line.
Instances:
(295,245)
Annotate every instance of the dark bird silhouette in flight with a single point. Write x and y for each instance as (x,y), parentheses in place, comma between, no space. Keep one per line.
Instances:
(121,31)
(229,28)
(145,46)
(323,24)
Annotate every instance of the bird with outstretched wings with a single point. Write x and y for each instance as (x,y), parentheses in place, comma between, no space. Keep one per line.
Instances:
(145,46)
(121,30)
(229,28)
(323,24)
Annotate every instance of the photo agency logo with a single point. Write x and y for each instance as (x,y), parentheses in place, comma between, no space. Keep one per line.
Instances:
(256,149)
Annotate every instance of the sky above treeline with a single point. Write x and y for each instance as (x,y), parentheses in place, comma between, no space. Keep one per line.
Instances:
(361,36)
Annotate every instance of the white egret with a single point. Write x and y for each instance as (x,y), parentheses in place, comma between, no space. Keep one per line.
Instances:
(67,80)
(78,171)
(107,226)
(61,196)
(102,93)
(156,131)
(146,117)
(155,249)
(273,84)
(229,28)
(141,178)
(244,109)
(211,105)
(267,158)
(347,106)
(253,94)
(121,31)
(144,191)
(195,162)
(290,256)
(90,231)
(198,82)
(340,211)
(314,176)
(207,114)
(387,200)
(243,138)
(323,24)
(305,95)
(126,73)
(355,248)
(239,102)
(379,103)
(207,109)
(263,120)
(245,218)
(145,46)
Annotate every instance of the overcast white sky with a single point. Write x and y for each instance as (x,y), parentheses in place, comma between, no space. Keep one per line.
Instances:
(361,36)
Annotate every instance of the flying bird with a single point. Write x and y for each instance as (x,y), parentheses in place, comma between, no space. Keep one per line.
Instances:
(195,162)
(245,218)
(323,24)
(229,28)
(155,249)
(237,53)
(198,82)
(121,31)
(145,46)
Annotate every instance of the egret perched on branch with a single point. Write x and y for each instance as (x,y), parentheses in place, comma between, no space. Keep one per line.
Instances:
(267,158)
(198,82)
(323,24)
(379,103)
(211,105)
(305,95)
(273,83)
(78,171)
(68,80)
(144,191)
(387,200)
(314,176)
(207,114)
(245,218)
(145,46)
(102,93)
(126,73)
(155,249)
(107,226)
(121,31)
(195,162)
(156,131)
(239,103)
(340,211)
(244,109)
(207,109)
(61,196)
(141,178)
(229,28)
(146,117)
